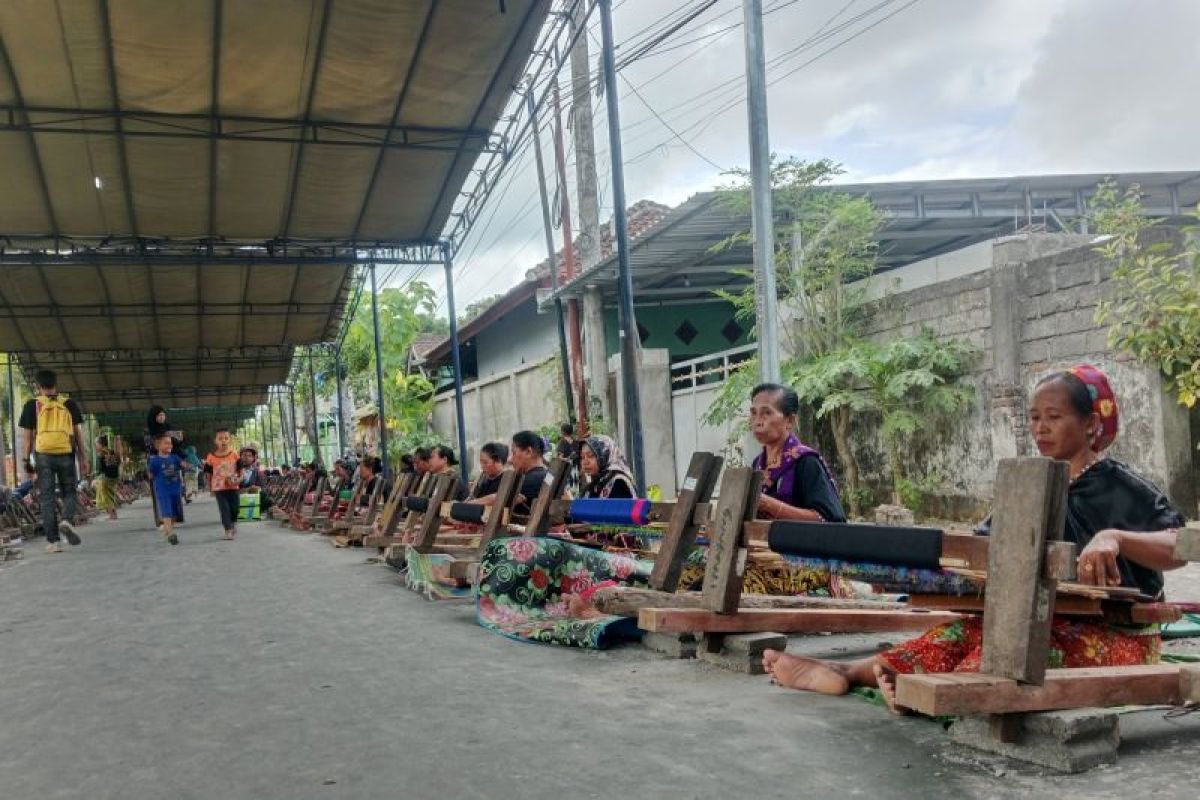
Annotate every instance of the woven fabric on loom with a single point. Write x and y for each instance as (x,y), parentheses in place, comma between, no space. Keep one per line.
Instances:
(429,574)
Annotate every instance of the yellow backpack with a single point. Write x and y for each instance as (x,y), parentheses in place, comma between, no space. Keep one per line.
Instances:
(54,426)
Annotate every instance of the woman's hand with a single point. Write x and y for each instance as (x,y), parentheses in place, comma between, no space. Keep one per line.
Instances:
(1097,564)
(768,505)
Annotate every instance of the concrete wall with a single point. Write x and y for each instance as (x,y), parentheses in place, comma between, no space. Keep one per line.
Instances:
(1030,308)
(497,407)
(519,339)
(1028,303)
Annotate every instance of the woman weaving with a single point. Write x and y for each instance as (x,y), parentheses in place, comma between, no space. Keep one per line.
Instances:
(605,475)
(1120,520)
(797,483)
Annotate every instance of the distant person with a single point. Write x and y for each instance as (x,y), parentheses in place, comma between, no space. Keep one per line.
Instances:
(568,450)
(106,482)
(52,448)
(166,473)
(421,460)
(442,461)
(223,468)
(191,479)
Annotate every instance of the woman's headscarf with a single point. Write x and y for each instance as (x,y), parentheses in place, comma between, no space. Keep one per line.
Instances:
(1104,404)
(610,461)
(155,427)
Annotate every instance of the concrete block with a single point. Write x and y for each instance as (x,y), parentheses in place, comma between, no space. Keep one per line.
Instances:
(1081,319)
(1036,280)
(893,515)
(673,645)
(1068,741)
(1075,273)
(1041,328)
(739,652)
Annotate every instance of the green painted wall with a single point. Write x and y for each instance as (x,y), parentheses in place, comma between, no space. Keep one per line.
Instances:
(663,324)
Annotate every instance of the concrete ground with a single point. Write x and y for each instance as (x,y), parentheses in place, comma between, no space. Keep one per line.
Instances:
(278,667)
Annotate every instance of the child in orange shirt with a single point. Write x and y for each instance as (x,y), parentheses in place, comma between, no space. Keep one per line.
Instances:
(221,465)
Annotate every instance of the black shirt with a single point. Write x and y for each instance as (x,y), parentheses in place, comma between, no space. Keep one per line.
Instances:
(28,419)
(531,484)
(812,489)
(485,486)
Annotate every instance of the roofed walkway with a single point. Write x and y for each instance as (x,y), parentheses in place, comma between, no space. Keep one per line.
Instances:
(277,667)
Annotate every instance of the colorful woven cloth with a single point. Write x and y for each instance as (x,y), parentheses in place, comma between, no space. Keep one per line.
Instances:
(429,574)
(958,647)
(526,585)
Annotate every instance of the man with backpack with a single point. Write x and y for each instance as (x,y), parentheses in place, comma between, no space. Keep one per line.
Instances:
(54,438)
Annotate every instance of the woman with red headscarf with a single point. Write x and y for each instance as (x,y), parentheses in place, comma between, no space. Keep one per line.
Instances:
(1121,523)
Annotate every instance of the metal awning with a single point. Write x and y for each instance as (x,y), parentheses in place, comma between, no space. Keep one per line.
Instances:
(188,183)
(253,120)
(199,424)
(678,259)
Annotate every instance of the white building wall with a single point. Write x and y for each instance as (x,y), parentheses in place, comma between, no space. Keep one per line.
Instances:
(519,339)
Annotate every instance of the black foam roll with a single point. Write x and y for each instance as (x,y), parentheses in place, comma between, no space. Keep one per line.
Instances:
(418,504)
(866,544)
(467,512)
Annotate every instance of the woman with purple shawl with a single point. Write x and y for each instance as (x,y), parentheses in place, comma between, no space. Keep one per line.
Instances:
(797,483)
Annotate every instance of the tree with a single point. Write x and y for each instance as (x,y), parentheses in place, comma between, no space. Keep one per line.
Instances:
(821,274)
(1153,310)
(912,384)
(474,309)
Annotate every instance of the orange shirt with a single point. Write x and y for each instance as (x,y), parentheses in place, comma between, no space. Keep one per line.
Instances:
(225,474)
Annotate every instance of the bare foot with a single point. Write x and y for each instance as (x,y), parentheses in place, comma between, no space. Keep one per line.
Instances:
(885,677)
(805,674)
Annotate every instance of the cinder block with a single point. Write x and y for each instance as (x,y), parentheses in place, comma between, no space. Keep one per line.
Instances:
(1068,741)
(1076,273)
(675,645)
(740,652)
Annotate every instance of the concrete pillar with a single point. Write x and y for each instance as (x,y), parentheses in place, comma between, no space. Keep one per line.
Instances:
(654,376)
(596,352)
(1176,448)
(1008,427)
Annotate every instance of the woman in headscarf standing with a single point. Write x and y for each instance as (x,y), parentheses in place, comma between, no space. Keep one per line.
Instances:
(603,469)
(1120,521)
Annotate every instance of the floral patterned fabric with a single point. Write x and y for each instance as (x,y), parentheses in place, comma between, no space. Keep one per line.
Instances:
(526,585)
(958,647)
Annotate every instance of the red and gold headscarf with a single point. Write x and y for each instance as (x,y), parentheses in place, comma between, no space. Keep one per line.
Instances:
(1104,403)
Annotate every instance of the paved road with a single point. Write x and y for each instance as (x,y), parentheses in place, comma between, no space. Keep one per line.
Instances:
(277,667)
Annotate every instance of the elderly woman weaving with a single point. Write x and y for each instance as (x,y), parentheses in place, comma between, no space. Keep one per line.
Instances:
(797,483)
(1120,520)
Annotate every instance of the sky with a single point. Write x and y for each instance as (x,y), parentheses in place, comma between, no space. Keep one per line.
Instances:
(891,89)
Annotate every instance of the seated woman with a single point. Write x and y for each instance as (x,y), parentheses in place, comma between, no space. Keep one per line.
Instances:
(603,470)
(442,462)
(1119,519)
(492,458)
(528,457)
(370,470)
(797,484)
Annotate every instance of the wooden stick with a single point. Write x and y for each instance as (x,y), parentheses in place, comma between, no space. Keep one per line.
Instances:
(552,489)
(627,601)
(789,620)
(681,532)
(431,520)
(1030,509)
(959,693)
(725,568)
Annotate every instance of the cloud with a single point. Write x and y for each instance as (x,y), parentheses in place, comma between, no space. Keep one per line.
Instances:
(943,89)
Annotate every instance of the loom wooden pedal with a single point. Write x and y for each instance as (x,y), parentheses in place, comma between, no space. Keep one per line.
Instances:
(789,620)
(961,693)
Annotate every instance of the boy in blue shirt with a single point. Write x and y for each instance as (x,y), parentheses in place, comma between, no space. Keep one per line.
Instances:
(166,473)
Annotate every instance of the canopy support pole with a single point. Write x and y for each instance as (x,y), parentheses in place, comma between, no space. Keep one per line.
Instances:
(288,457)
(456,357)
(292,416)
(765,295)
(551,255)
(12,422)
(270,432)
(312,394)
(380,414)
(341,412)
(630,342)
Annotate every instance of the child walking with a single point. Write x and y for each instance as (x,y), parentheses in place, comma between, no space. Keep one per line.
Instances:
(224,476)
(166,471)
(109,477)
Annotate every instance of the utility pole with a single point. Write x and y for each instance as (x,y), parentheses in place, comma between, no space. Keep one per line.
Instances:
(341,411)
(378,375)
(456,358)
(596,360)
(292,416)
(630,344)
(560,164)
(288,455)
(548,228)
(765,295)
